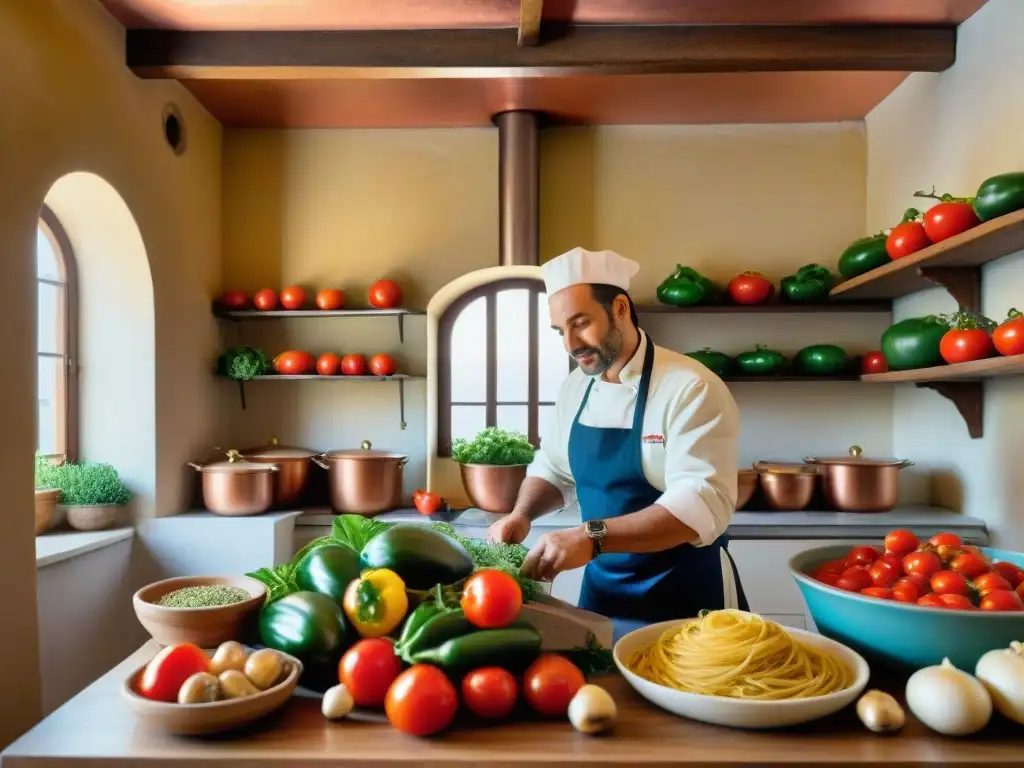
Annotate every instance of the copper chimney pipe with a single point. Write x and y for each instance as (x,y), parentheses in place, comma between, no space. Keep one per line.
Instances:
(518,188)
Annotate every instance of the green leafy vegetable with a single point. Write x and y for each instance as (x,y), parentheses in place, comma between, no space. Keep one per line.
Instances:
(279,581)
(82,484)
(592,658)
(243,363)
(503,557)
(356,530)
(493,446)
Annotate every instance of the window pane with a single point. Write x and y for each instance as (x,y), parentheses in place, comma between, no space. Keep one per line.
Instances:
(467,420)
(544,416)
(513,334)
(50,404)
(553,360)
(514,418)
(49,314)
(469,354)
(47,262)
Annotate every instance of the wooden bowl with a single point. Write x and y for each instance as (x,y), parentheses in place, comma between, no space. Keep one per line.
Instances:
(205,627)
(217,716)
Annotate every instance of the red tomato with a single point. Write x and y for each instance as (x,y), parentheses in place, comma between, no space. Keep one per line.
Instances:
(1013,575)
(293,297)
(490,692)
(945,539)
(948,583)
(945,220)
(883,593)
(959,346)
(368,669)
(922,563)
(550,683)
(234,300)
(893,559)
(353,365)
(491,599)
(883,574)
(330,299)
(383,365)
(328,364)
(835,566)
(988,582)
(905,591)
(931,601)
(862,556)
(901,542)
(751,288)
(959,602)
(170,668)
(294,363)
(969,565)
(385,294)
(827,577)
(905,239)
(1008,337)
(265,300)
(1001,600)
(427,503)
(421,701)
(1020,590)
(919,581)
(873,362)
(855,579)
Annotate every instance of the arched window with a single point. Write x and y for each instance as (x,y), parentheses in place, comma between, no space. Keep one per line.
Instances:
(499,362)
(56,340)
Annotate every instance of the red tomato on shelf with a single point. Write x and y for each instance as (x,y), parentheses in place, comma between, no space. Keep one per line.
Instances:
(330,299)
(944,220)
(293,297)
(170,668)
(1008,337)
(962,346)
(294,363)
(265,300)
(353,365)
(385,294)
(901,542)
(328,364)
(234,300)
(874,362)
(426,503)
(383,365)
(751,288)
(905,239)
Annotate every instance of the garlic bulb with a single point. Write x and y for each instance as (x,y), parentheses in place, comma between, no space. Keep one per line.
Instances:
(592,710)
(948,700)
(337,702)
(880,712)
(1002,673)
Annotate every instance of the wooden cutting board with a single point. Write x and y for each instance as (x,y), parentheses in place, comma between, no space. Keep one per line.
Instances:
(563,626)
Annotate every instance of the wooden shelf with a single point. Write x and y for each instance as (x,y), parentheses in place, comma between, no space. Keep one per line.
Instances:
(238,315)
(954,263)
(772,307)
(787,378)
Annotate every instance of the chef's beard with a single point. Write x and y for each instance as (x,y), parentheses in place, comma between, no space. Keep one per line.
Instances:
(605,354)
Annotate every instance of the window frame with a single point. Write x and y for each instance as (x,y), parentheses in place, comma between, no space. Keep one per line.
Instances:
(446,323)
(67,335)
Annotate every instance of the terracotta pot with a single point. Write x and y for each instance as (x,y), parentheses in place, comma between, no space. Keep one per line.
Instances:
(746,484)
(92,517)
(857,484)
(364,481)
(237,487)
(46,506)
(787,487)
(292,469)
(491,487)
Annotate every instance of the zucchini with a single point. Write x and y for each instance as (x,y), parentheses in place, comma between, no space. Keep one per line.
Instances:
(329,570)
(421,556)
(438,629)
(513,648)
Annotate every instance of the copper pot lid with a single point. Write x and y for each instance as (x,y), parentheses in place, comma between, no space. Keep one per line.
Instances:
(856,460)
(235,463)
(783,468)
(274,450)
(365,452)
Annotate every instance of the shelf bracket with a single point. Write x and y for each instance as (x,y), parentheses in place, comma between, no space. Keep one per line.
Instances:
(241,392)
(401,331)
(969,399)
(963,284)
(401,403)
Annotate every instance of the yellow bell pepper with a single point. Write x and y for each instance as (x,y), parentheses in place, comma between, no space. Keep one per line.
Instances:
(376,602)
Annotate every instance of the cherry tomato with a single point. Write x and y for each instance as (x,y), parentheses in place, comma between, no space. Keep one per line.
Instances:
(234,300)
(873,362)
(550,683)
(293,297)
(421,701)
(353,365)
(490,692)
(328,364)
(969,565)
(382,365)
(884,574)
(896,561)
(491,599)
(947,539)
(944,220)
(988,582)
(901,542)
(948,583)
(882,593)
(1008,337)
(265,300)
(905,239)
(862,556)
(1020,590)
(905,591)
(1001,600)
(959,346)
(835,566)
(1013,575)
(368,669)
(919,581)
(827,577)
(923,563)
(294,363)
(931,601)
(170,668)
(385,294)
(751,288)
(330,299)
(855,579)
(959,602)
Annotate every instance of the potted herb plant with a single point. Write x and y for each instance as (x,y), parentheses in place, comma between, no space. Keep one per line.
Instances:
(91,492)
(47,496)
(493,466)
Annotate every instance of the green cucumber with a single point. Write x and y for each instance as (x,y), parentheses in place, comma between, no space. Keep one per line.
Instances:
(329,570)
(421,556)
(414,622)
(513,648)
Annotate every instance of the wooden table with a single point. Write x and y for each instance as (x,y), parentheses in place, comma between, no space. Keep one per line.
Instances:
(96,729)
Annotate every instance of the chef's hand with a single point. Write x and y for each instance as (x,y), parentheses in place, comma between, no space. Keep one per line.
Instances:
(511,529)
(557,551)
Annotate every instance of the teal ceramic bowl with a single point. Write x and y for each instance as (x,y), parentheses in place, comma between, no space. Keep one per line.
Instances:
(901,635)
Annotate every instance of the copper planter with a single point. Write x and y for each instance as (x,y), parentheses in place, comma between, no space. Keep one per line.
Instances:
(787,487)
(237,487)
(493,488)
(857,484)
(364,481)
(293,469)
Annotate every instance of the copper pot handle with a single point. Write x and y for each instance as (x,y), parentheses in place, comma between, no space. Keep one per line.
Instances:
(194,465)
(905,463)
(403,461)
(319,461)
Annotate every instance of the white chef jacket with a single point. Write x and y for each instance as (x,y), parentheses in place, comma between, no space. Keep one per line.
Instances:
(690,432)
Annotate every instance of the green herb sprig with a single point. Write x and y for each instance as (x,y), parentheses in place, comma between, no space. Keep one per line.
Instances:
(82,484)
(493,446)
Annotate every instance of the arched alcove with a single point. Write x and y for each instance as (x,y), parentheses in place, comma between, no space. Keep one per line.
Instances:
(116,358)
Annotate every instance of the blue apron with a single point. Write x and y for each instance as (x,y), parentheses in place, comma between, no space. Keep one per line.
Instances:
(637,589)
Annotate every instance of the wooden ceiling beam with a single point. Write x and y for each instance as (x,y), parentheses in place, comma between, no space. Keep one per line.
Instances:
(530,12)
(567,50)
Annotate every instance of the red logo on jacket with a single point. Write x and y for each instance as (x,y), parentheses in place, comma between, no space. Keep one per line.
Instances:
(653,439)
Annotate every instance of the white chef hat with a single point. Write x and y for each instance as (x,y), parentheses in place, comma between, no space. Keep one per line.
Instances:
(582,266)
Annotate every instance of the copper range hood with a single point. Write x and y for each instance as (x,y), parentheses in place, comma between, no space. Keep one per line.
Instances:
(518,188)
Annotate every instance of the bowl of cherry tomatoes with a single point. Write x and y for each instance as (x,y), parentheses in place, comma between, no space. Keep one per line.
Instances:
(912,602)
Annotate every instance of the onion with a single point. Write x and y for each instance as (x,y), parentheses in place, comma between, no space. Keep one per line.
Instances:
(1002,673)
(948,700)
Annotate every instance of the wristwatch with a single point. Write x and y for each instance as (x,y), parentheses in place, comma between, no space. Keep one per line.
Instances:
(596,530)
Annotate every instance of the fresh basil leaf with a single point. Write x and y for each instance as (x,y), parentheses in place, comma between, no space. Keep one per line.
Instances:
(356,530)
(279,581)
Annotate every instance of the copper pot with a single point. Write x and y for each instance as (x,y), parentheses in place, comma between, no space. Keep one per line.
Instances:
(856,484)
(237,487)
(364,481)
(293,469)
(787,487)
(746,484)
(493,487)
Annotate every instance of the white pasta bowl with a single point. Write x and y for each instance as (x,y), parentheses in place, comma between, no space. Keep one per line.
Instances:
(743,713)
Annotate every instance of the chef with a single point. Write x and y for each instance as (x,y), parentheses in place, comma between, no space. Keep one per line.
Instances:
(644,439)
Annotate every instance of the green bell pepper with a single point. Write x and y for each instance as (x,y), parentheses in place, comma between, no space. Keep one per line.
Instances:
(760,362)
(811,283)
(864,255)
(328,569)
(1000,195)
(684,288)
(309,626)
(513,648)
(821,360)
(437,630)
(914,342)
(415,621)
(719,362)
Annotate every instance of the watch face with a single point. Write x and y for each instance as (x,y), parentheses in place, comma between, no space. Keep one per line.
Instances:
(596,528)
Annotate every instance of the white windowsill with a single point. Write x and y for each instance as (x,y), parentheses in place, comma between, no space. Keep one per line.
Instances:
(56,547)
